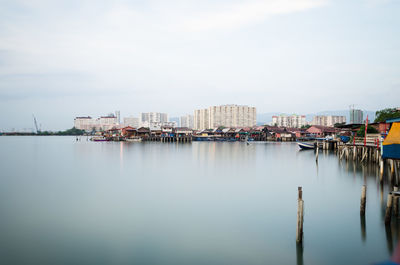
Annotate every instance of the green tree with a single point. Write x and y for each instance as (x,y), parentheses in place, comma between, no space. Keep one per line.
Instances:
(338,124)
(305,126)
(370,129)
(72,131)
(385,114)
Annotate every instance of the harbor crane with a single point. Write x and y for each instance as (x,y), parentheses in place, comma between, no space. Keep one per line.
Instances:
(36,125)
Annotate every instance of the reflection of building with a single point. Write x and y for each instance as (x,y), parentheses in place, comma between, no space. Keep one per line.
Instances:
(186,121)
(131,121)
(292,121)
(356,116)
(328,120)
(225,115)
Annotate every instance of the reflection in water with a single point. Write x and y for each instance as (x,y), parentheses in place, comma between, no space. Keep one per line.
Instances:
(198,203)
(299,253)
(363,228)
(389,238)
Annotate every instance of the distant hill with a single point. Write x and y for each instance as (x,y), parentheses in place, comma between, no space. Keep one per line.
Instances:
(266,118)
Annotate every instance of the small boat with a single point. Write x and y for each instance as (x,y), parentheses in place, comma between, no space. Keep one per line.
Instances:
(134,139)
(304,145)
(99,139)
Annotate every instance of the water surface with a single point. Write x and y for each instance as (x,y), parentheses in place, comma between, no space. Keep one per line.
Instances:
(68,202)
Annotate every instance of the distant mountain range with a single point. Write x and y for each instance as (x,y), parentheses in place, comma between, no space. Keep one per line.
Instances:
(266,118)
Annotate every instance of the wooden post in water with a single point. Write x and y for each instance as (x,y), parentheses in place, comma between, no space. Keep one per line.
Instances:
(381,170)
(363,200)
(316,154)
(388,213)
(300,208)
(391,167)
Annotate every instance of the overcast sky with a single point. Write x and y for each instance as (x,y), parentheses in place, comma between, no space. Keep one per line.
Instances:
(61,59)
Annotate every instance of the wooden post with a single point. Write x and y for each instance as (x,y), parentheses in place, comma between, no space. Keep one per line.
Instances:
(381,170)
(316,154)
(388,213)
(300,208)
(391,167)
(363,200)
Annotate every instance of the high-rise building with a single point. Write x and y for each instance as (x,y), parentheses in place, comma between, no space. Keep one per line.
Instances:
(225,115)
(329,121)
(131,121)
(84,123)
(118,116)
(90,124)
(153,117)
(356,116)
(186,121)
(292,121)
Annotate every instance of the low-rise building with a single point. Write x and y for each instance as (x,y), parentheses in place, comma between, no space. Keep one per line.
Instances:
(321,131)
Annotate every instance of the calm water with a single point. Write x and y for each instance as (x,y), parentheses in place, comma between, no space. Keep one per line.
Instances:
(67,202)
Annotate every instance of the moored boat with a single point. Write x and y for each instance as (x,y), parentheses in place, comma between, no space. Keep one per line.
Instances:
(134,139)
(99,139)
(304,145)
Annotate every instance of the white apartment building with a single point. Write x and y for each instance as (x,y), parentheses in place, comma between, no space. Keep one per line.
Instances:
(153,117)
(118,116)
(102,123)
(328,120)
(84,123)
(131,121)
(225,115)
(186,121)
(201,119)
(292,121)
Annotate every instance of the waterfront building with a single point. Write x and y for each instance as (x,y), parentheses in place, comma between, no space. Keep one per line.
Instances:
(292,121)
(107,122)
(329,121)
(321,131)
(159,125)
(89,124)
(356,116)
(84,123)
(226,116)
(186,121)
(131,121)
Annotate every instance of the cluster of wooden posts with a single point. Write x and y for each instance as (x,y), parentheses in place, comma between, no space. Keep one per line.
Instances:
(363,154)
(371,154)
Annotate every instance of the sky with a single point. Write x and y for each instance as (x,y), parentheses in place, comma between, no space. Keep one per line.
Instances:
(62,59)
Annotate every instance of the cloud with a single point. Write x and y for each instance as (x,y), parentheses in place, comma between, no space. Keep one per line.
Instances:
(249,12)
